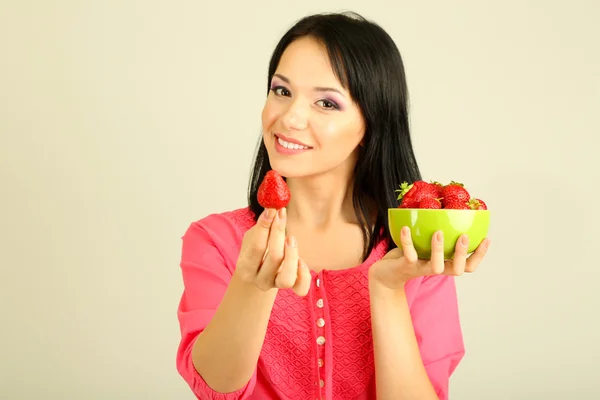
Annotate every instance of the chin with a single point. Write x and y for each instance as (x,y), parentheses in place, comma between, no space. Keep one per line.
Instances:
(293,170)
(283,165)
(289,166)
(287,171)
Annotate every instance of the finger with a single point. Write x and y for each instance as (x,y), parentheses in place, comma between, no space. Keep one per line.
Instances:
(257,238)
(457,266)
(286,277)
(436,263)
(410,254)
(265,278)
(303,279)
(475,259)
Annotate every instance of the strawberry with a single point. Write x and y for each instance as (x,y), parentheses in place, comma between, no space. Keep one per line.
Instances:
(439,188)
(456,205)
(431,203)
(273,191)
(404,189)
(411,195)
(477,204)
(454,195)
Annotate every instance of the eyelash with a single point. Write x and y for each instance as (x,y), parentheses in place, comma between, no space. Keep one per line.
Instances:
(334,106)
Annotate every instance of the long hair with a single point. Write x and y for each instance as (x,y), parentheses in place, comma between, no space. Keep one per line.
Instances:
(368,64)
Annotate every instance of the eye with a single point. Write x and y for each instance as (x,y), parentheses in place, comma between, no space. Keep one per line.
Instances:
(327,104)
(281,91)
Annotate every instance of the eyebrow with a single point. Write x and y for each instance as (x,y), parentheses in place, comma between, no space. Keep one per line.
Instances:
(318,88)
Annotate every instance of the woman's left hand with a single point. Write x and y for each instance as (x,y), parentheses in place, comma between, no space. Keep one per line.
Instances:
(401,264)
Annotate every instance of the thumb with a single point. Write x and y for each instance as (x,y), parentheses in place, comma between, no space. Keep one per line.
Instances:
(303,279)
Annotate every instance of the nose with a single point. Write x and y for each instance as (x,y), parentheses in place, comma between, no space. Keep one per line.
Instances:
(295,118)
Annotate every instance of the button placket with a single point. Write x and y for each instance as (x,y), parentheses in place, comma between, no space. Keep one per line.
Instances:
(320,340)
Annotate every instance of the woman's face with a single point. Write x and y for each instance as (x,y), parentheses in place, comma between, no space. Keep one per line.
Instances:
(310,124)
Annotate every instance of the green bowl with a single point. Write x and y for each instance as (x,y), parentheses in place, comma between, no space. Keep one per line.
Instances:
(423,223)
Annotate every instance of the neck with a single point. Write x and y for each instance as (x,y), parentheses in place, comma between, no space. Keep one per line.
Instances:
(320,201)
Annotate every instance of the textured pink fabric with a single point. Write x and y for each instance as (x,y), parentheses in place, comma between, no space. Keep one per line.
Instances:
(295,362)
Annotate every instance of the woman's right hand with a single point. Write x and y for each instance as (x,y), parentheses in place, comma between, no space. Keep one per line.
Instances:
(269,258)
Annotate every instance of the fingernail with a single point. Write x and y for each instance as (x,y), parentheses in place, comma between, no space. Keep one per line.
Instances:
(405,230)
(291,241)
(464,241)
(282,213)
(269,214)
(440,236)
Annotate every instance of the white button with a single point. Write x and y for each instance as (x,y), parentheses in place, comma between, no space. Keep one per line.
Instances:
(318,282)
(320,322)
(321,383)
(321,363)
(321,340)
(320,303)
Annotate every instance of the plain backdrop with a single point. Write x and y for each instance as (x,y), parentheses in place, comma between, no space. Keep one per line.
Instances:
(121,122)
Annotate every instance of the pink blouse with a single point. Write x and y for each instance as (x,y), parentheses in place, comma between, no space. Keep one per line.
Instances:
(318,346)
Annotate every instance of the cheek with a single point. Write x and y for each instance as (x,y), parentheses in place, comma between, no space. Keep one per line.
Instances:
(342,131)
(269,115)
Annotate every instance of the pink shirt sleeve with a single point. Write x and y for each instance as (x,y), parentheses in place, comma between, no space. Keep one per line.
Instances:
(207,263)
(437,328)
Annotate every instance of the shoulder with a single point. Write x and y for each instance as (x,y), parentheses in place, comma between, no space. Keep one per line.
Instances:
(233,222)
(223,231)
(240,219)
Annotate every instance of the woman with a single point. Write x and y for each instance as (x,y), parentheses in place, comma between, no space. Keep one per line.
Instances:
(313,301)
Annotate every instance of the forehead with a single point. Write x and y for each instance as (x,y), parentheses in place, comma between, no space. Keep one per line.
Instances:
(306,62)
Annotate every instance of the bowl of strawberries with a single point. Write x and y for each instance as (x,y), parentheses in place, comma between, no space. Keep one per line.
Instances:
(427,207)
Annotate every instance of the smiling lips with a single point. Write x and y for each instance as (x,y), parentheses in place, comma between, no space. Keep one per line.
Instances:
(287,145)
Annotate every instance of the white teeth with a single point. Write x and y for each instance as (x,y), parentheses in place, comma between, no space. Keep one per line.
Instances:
(291,146)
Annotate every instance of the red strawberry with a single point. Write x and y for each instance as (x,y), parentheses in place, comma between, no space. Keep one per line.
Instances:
(454,195)
(477,204)
(439,188)
(431,203)
(273,191)
(411,195)
(404,189)
(457,205)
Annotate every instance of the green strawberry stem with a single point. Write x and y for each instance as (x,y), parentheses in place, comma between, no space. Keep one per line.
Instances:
(456,183)
(473,204)
(404,188)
